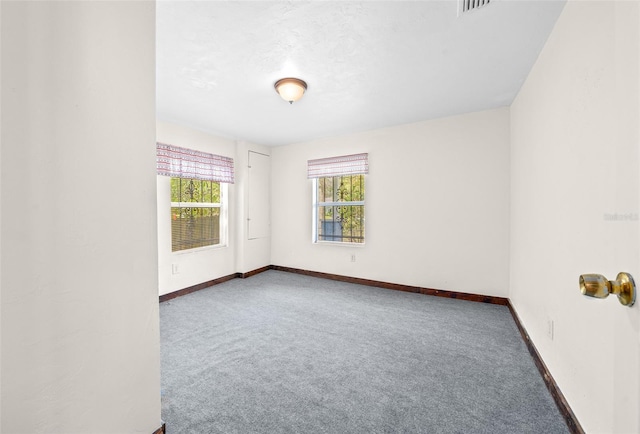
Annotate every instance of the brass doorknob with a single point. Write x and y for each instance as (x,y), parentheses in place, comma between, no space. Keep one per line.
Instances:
(596,285)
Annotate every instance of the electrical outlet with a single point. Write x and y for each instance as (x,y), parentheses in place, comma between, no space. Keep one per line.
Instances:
(353,258)
(175,269)
(550,328)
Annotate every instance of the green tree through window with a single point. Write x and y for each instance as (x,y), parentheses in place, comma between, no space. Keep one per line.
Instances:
(195,213)
(339,209)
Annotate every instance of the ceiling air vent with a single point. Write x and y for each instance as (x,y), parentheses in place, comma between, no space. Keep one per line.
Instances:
(469,5)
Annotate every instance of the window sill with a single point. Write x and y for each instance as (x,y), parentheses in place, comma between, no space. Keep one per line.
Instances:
(338,243)
(200,249)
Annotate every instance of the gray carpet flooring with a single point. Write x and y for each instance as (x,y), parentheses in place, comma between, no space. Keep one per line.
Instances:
(285,353)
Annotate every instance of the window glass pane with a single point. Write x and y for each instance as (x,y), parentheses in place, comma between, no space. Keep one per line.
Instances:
(357,189)
(194,190)
(197,189)
(198,226)
(341,223)
(336,188)
(356,224)
(349,188)
(186,190)
(345,222)
(325,189)
(175,189)
(341,188)
(205,195)
(319,228)
(194,227)
(215,192)
(320,189)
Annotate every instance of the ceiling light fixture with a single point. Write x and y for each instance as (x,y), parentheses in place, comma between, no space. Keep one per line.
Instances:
(290,89)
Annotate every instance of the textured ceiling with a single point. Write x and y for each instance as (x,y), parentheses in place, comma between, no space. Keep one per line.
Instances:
(368,64)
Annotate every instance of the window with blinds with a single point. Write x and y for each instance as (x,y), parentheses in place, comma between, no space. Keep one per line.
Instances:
(195,213)
(338,198)
(198,195)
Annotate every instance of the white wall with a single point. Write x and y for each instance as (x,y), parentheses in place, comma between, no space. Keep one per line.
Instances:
(437,205)
(208,263)
(574,134)
(252,253)
(197,265)
(80,341)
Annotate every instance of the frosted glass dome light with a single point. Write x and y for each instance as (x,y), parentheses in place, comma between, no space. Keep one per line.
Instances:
(290,89)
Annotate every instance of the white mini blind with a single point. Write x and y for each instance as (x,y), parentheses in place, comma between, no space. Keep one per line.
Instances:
(188,163)
(338,166)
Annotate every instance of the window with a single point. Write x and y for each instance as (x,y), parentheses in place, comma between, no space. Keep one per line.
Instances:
(198,195)
(338,198)
(340,208)
(196,206)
